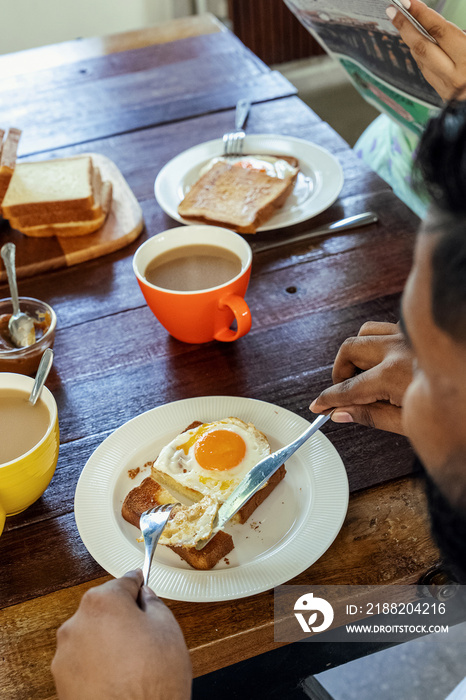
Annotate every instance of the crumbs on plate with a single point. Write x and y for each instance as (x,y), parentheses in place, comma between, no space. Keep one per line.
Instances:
(132,473)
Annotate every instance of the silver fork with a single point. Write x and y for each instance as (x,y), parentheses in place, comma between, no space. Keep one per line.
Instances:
(233,141)
(151,524)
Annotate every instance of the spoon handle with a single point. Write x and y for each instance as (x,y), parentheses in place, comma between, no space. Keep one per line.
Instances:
(42,374)
(8,253)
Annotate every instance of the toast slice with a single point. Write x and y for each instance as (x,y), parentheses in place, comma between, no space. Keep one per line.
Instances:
(149,494)
(240,198)
(8,153)
(152,492)
(40,188)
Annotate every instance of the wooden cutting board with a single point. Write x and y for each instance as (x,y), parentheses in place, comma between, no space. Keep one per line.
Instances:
(123,225)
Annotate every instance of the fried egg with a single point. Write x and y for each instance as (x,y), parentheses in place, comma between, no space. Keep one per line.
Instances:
(272,166)
(213,458)
(189,524)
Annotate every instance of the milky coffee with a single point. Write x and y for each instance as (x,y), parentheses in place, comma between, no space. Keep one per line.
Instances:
(193,268)
(22,425)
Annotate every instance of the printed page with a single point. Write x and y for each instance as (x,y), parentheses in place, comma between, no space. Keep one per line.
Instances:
(363,39)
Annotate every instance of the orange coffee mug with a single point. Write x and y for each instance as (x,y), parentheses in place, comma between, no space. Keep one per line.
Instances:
(196,315)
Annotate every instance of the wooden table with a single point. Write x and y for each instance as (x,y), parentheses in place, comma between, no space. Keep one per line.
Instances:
(140,107)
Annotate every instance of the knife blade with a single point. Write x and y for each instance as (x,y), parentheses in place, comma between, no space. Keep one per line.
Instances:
(258,477)
(345,224)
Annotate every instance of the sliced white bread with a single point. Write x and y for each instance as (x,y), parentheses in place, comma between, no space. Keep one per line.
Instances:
(56,215)
(73,228)
(8,152)
(43,187)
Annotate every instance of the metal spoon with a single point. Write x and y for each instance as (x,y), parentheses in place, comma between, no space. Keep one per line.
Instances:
(20,326)
(42,374)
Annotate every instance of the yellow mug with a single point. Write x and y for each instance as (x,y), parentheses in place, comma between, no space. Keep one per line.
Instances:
(24,479)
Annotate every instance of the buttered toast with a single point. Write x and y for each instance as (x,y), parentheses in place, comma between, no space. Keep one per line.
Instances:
(239,198)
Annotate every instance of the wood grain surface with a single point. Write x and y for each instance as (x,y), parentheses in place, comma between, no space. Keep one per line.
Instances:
(393,513)
(122,226)
(113,360)
(135,89)
(309,297)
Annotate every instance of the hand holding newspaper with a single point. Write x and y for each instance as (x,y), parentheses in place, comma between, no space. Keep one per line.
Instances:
(443,64)
(399,6)
(360,35)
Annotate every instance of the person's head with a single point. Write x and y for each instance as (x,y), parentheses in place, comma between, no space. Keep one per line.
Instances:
(434,319)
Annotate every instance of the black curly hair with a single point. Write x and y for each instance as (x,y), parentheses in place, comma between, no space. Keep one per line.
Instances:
(440,169)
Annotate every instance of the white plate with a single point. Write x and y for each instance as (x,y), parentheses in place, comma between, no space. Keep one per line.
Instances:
(283,537)
(318,184)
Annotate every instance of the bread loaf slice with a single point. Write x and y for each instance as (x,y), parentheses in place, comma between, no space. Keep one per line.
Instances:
(8,153)
(64,185)
(57,215)
(74,227)
(239,198)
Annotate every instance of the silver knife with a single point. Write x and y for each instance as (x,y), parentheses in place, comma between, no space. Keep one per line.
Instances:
(345,224)
(257,477)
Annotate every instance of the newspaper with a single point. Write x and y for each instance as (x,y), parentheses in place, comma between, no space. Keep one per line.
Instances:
(360,36)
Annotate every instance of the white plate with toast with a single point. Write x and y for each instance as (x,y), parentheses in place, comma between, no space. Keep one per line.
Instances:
(317,185)
(292,528)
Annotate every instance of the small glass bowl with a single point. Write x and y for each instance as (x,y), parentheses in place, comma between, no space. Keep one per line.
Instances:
(26,360)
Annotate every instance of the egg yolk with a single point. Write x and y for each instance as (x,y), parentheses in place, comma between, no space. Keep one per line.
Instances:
(220,450)
(248,166)
(186,446)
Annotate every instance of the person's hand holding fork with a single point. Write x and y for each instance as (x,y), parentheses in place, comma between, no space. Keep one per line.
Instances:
(122,642)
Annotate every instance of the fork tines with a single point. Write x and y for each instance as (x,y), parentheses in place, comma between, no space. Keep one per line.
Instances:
(233,143)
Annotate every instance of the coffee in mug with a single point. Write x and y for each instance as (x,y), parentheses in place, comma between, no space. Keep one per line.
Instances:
(193,268)
(194,279)
(23,425)
(28,446)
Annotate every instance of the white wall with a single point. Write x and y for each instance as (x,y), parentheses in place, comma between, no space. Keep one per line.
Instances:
(29,23)
(163,10)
